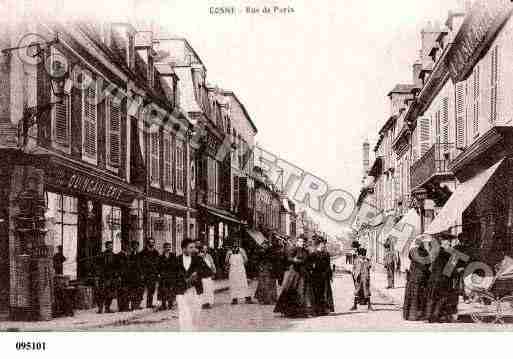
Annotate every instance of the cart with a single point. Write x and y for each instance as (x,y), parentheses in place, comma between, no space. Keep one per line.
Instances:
(491,297)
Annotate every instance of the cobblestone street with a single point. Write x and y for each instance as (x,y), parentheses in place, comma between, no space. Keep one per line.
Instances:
(226,317)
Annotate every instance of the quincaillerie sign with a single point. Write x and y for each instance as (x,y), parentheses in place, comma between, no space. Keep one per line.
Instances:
(78,182)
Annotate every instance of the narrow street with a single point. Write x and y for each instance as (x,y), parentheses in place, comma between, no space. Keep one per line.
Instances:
(226,317)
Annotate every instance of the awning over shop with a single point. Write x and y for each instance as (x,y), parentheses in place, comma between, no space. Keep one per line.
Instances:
(450,215)
(222,214)
(257,236)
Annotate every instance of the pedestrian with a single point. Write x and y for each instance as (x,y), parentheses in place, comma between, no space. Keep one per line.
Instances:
(134,278)
(296,297)
(107,272)
(207,280)
(189,286)
(268,260)
(322,277)
(168,269)
(390,265)
(58,261)
(236,259)
(414,307)
(442,296)
(149,257)
(361,279)
(123,290)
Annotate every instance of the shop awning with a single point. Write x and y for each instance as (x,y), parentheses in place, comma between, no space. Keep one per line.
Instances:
(222,214)
(450,215)
(257,236)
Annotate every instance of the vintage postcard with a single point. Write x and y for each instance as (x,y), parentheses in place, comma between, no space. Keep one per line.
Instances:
(255,166)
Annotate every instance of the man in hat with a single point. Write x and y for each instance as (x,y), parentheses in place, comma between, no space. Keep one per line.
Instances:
(361,278)
(168,268)
(149,257)
(390,265)
(134,277)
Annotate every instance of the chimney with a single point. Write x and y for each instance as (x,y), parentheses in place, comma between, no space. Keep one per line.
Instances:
(144,46)
(120,36)
(417,68)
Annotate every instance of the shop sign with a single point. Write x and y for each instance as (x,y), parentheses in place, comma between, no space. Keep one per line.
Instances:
(78,182)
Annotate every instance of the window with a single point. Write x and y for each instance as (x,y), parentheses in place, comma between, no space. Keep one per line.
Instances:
(213,185)
(168,233)
(89,120)
(111,226)
(154,157)
(168,162)
(179,233)
(424,135)
(192,228)
(179,162)
(113,132)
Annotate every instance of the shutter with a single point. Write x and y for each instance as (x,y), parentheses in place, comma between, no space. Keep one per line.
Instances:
(61,122)
(494,85)
(89,117)
(154,157)
(114,133)
(167,161)
(444,114)
(424,135)
(460,115)
(475,110)
(486,85)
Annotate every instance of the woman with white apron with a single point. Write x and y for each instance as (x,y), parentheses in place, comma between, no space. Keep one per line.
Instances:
(208,284)
(236,259)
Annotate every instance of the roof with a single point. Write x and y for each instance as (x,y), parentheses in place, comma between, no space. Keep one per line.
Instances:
(402,89)
(185,85)
(232,94)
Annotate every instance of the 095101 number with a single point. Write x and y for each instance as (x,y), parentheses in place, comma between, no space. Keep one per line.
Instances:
(31,346)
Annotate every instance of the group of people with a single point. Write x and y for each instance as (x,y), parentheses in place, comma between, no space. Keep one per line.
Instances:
(130,273)
(432,293)
(306,281)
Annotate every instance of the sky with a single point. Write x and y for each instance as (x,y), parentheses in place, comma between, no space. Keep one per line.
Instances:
(314,81)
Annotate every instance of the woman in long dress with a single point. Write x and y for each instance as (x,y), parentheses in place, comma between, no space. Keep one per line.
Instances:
(236,258)
(361,279)
(322,276)
(414,307)
(296,298)
(267,292)
(441,293)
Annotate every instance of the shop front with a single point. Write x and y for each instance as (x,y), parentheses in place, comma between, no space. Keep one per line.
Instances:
(480,211)
(166,224)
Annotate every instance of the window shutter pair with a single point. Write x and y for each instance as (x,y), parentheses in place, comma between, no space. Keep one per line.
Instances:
(114,132)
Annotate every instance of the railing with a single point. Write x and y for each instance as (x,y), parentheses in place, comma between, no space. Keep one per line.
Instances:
(434,162)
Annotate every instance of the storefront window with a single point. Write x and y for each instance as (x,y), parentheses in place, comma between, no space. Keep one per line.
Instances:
(63,213)
(168,232)
(111,226)
(157,229)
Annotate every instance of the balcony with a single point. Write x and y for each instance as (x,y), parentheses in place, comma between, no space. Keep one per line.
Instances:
(433,165)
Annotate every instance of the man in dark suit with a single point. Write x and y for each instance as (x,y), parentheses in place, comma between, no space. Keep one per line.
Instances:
(107,272)
(123,290)
(134,276)
(168,269)
(189,286)
(150,270)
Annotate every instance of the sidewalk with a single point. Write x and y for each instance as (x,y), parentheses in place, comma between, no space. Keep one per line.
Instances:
(379,285)
(89,319)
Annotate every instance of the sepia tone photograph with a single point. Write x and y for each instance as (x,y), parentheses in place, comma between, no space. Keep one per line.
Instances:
(254,166)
